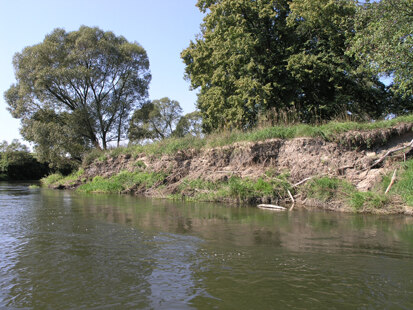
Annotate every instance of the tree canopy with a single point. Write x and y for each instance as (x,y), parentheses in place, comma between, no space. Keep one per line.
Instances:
(155,120)
(279,56)
(78,88)
(17,163)
(384,41)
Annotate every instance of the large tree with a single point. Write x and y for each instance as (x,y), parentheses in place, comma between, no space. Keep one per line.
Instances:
(287,57)
(329,83)
(384,41)
(91,78)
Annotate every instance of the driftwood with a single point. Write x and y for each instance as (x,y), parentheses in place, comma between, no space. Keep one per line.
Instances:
(381,159)
(393,179)
(271,207)
(302,181)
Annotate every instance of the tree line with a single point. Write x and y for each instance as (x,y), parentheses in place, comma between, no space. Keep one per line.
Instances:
(265,60)
(17,163)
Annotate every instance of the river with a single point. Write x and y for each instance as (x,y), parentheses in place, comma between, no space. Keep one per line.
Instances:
(65,250)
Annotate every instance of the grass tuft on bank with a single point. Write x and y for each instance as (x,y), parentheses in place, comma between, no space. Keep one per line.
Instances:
(122,181)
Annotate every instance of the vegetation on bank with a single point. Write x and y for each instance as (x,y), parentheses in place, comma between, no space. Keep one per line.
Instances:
(270,188)
(330,132)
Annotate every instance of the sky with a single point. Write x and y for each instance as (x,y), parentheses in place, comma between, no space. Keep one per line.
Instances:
(163,27)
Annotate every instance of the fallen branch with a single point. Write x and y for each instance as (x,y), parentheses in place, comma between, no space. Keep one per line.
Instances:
(393,179)
(302,181)
(291,196)
(390,152)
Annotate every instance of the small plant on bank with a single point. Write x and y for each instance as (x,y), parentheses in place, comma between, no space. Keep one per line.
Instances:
(51,179)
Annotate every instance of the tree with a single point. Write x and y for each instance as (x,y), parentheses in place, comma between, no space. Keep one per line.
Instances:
(283,56)
(155,120)
(58,137)
(91,78)
(17,163)
(384,41)
(328,81)
(189,124)
(238,61)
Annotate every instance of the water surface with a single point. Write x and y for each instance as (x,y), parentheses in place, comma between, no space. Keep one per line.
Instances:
(64,250)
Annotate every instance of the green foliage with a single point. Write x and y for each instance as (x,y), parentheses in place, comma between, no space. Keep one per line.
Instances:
(155,120)
(278,56)
(189,124)
(17,163)
(91,156)
(384,41)
(86,81)
(57,141)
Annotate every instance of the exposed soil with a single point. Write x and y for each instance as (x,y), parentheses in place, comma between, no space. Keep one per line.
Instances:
(351,157)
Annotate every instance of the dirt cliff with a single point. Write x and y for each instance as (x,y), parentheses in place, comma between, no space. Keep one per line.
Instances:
(357,157)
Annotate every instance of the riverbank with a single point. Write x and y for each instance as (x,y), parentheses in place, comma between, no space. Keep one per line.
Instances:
(348,169)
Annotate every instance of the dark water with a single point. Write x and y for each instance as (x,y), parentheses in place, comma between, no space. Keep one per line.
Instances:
(62,250)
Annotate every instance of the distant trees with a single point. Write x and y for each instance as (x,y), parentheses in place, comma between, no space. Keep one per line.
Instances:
(17,163)
(189,124)
(161,119)
(155,120)
(280,57)
(76,90)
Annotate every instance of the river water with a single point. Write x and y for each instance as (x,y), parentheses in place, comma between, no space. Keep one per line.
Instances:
(64,250)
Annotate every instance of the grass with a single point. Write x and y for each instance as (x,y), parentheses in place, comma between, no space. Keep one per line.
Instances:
(52,179)
(404,182)
(235,188)
(326,189)
(122,181)
(58,179)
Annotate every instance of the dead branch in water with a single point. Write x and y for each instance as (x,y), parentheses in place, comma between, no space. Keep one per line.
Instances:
(393,179)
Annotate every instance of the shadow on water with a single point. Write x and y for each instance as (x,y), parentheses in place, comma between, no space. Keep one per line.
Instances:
(68,250)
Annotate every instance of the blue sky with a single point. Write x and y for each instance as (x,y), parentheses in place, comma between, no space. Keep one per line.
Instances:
(163,27)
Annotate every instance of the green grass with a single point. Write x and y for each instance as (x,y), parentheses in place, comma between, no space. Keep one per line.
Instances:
(234,188)
(404,182)
(51,179)
(326,189)
(58,179)
(122,181)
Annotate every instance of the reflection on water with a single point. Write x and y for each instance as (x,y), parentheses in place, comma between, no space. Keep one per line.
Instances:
(66,250)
